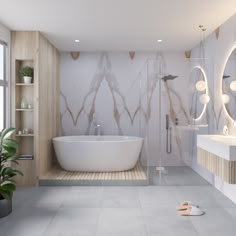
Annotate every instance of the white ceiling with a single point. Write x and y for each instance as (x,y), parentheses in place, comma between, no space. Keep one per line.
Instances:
(117,24)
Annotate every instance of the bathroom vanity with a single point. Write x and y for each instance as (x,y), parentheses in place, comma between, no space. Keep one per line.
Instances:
(217,153)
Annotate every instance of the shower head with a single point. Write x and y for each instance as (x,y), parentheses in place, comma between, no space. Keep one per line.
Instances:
(169,77)
(225,76)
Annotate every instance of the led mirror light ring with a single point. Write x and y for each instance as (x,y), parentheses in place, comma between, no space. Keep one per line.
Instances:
(205,104)
(222,73)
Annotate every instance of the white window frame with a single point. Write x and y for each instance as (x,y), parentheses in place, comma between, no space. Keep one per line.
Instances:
(4,83)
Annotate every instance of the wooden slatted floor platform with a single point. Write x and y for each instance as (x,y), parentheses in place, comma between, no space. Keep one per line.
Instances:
(56,174)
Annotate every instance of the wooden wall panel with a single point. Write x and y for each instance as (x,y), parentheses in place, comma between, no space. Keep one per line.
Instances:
(48,100)
(33,46)
(28,168)
(24,44)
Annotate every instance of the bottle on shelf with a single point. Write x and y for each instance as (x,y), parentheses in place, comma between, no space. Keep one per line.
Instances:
(30,106)
(23,104)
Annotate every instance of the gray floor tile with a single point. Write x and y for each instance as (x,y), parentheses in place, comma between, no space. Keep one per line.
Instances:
(215,222)
(156,196)
(74,222)
(221,199)
(53,196)
(27,221)
(40,196)
(121,211)
(120,197)
(204,196)
(121,221)
(88,197)
(20,196)
(232,212)
(166,221)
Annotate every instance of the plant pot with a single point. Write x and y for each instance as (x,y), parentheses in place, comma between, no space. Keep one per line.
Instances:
(27,79)
(5,207)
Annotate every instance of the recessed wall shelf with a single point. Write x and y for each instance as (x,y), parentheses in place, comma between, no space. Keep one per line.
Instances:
(20,109)
(24,118)
(24,135)
(22,84)
(26,157)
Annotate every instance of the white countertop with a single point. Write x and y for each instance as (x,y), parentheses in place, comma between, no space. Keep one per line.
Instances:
(220,145)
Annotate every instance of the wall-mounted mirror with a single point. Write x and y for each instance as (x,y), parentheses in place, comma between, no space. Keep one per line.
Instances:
(229,85)
(198,93)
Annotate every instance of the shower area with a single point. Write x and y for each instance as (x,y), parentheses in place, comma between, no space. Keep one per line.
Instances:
(172,128)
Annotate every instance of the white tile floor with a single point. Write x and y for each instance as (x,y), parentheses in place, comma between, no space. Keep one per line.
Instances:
(118,211)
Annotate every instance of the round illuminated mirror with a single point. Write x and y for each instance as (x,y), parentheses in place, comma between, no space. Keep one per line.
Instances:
(229,85)
(198,93)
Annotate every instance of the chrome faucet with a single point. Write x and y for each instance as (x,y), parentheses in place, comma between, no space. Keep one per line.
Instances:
(225,130)
(98,127)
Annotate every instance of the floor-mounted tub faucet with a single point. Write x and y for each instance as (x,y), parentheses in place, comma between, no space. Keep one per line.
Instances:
(98,127)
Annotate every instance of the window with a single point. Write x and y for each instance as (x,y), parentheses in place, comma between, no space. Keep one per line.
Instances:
(3,85)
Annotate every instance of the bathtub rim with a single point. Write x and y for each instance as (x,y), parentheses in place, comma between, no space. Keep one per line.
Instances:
(128,138)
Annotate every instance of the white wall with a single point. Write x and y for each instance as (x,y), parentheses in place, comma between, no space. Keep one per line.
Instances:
(113,87)
(216,52)
(5,34)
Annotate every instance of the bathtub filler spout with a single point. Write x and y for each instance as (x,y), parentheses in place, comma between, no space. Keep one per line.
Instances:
(97,127)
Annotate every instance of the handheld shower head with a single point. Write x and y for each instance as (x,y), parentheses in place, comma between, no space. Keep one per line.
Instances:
(169,77)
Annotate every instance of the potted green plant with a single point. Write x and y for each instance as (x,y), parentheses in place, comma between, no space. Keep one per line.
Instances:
(8,156)
(26,72)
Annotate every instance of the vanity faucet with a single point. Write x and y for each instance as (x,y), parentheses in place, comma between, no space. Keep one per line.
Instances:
(225,130)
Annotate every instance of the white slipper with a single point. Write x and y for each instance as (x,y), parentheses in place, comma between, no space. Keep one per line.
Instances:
(185,205)
(192,211)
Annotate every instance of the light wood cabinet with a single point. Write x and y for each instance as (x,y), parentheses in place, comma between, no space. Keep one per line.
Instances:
(37,122)
(221,167)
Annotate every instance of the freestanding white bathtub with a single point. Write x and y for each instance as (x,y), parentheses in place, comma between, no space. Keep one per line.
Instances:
(97,153)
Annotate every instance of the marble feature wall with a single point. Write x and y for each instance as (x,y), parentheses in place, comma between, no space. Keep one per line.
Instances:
(196,108)
(216,53)
(126,96)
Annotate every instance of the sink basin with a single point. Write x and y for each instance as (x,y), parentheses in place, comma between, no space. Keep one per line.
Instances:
(220,145)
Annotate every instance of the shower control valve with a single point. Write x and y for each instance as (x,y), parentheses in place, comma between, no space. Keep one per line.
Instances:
(176,121)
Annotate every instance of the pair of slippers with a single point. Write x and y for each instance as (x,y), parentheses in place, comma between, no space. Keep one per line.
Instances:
(189,209)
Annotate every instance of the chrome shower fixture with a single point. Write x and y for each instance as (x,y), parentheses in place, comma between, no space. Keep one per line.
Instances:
(168,135)
(169,77)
